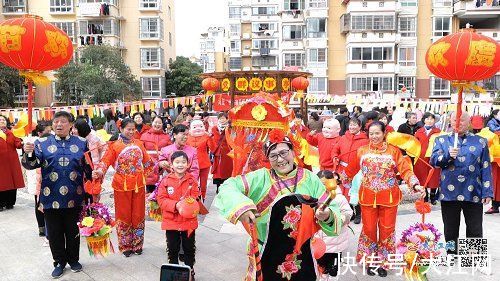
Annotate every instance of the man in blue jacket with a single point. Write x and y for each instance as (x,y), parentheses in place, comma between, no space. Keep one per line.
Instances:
(466,182)
(61,159)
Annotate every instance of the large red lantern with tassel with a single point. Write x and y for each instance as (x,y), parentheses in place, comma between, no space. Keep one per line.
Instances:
(33,46)
(210,85)
(300,84)
(462,58)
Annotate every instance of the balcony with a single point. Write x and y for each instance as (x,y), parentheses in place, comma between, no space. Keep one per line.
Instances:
(14,7)
(468,8)
(101,39)
(97,10)
(292,16)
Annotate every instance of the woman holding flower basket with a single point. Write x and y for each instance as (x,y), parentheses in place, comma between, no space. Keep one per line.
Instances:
(132,164)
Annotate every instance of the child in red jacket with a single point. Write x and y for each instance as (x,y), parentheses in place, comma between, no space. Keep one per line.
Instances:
(179,227)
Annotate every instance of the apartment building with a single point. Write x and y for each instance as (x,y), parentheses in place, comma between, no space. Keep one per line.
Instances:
(367,48)
(144,31)
(213,44)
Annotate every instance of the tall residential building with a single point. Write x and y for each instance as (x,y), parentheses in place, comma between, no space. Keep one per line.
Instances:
(144,31)
(367,48)
(213,46)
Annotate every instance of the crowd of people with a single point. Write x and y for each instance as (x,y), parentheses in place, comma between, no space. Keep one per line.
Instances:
(155,153)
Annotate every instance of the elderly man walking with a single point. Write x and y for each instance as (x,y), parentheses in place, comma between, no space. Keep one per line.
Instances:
(61,158)
(466,182)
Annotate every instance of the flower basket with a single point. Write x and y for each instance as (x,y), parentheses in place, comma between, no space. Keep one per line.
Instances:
(95,225)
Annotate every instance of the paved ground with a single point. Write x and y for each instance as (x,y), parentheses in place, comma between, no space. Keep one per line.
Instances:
(220,249)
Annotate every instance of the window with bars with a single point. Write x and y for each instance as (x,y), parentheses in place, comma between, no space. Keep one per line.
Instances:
(372,22)
(294,59)
(407,27)
(269,44)
(372,53)
(318,3)
(68,27)
(105,27)
(261,61)
(292,32)
(14,6)
(149,4)
(317,55)
(234,12)
(294,5)
(316,28)
(263,26)
(152,58)
(441,26)
(235,46)
(408,82)
(235,63)
(111,2)
(406,56)
(408,3)
(234,29)
(151,28)
(440,87)
(442,3)
(262,11)
(371,84)
(152,86)
(317,85)
(61,6)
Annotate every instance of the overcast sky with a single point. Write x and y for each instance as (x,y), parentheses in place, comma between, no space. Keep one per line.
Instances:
(193,17)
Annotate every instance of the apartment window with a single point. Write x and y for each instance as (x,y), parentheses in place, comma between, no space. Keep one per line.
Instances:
(149,4)
(318,3)
(234,29)
(269,44)
(371,22)
(235,46)
(235,63)
(317,55)
(371,84)
(260,61)
(294,5)
(292,32)
(234,12)
(68,27)
(442,3)
(372,53)
(106,27)
(406,56)
(295,59)
(170,40)
(262,11)
(408,82)
(210,45)
(407,27)
(440,87)
(61,6)
(491,84)
(316,28)
(442,26)
(152,86)
(14,6)
(152,58)
(112,2)
(317,84)
(151,28)
(263,26)
(408,3)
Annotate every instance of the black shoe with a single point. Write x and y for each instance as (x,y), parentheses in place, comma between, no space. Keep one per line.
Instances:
(138,252)
(370,271)
(381,272)
(181,257)
(357,220)
(9,207)
(58,271)
(41,231)
(127,253)
(75,266)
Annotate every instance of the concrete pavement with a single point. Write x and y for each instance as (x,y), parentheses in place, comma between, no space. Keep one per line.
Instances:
(220,249)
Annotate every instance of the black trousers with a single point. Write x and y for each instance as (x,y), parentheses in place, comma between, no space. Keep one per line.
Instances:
(150,188)
(174,240)
(473,213)
(8,198)
(330,262)
(40,220)
(64,237)
(495,204)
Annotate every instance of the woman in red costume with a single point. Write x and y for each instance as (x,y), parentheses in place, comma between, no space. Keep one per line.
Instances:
(132,164)
(222,164)
(421,169)
(345,151)
(379,195)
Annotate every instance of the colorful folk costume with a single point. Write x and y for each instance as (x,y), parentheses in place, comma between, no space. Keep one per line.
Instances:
(132,164)
(154,141)
(325,141)
(222,166)
(199,139)
(379,197)
(260,190)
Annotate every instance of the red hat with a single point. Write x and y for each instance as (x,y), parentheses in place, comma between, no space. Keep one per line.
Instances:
(477,122)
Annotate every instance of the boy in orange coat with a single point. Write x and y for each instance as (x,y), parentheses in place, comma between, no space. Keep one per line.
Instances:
(132,164)
(179,227)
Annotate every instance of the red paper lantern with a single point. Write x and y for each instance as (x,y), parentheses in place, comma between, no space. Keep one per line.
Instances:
(464,56)
(300,84)
(210,85)
(188,208)
(30,44)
